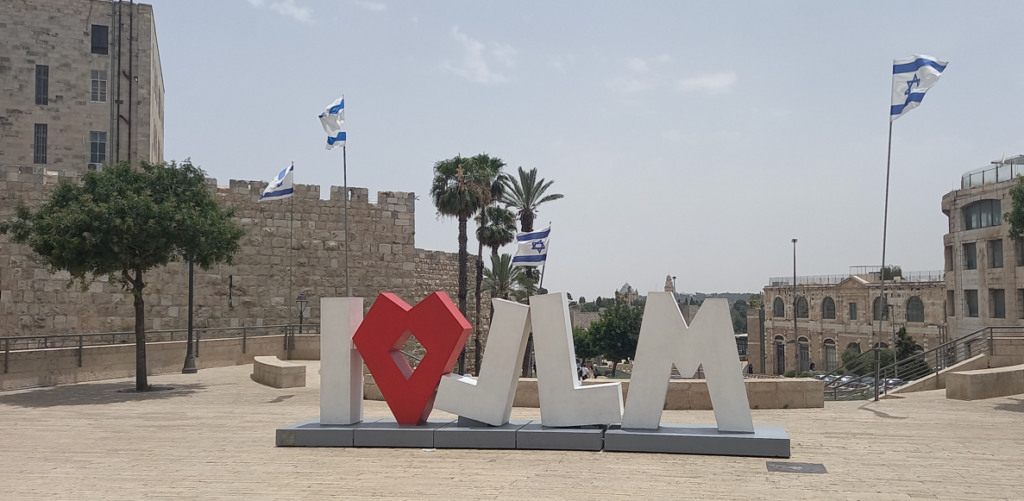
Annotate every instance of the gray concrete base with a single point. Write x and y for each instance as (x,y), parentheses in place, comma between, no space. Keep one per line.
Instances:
(538,437)
(460,436)
(388,433)
(310,433)
(766,441)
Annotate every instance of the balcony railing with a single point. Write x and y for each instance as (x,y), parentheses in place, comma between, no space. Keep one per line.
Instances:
(1004,170)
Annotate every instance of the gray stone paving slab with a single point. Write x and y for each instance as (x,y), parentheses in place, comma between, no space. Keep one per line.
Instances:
(310,433)
(454,436)
(534,436)
(388,433)
(766,441)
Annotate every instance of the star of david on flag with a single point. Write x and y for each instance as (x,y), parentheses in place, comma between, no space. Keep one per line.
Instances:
(533,248)
(911,78)
(333,121)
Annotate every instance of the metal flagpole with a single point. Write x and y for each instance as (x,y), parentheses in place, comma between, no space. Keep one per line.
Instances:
(541,284)
(348,242)
(291,243)
(881,271)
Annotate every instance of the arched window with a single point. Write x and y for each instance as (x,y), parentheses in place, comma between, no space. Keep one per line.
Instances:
(828,308)
(882,346)
(854,346)
(778,308)
(982,214)
(830,355)
(801,307)
(915,310)
(880,310)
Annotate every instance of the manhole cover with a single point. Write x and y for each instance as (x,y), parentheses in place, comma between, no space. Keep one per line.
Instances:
(796,467)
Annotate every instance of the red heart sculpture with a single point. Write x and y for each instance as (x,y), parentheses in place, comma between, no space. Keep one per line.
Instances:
(439,327)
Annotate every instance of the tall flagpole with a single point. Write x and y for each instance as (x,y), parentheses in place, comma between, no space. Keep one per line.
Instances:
(348,242)
(291,244)
(547,251)
(881,271)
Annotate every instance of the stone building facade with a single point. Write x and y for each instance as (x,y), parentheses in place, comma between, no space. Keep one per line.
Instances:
(836,312)
(984,266)
(81,84)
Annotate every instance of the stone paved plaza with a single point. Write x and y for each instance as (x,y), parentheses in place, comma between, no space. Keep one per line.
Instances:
(213,438)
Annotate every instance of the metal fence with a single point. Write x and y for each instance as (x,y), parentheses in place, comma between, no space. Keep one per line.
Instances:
(906,276)
(995,174)
(80,341)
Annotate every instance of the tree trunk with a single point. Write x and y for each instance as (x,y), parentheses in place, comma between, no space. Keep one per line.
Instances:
(615,365)
(527,372)
(141,383)
(463,281)
(479,285)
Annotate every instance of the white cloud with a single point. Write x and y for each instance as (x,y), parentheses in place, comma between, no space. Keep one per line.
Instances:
(474,66)
(638,65)
(370,5)
(287,8)
(712,83)
(641,75)
(560,62)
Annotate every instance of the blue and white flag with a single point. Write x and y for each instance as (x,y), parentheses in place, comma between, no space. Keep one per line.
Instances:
(911,78)
(281,187)
(533,248)
(333,120)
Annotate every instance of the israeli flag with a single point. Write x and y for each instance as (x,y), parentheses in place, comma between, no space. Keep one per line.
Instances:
(333,120)
(911,78)
(281,187)
(533,248)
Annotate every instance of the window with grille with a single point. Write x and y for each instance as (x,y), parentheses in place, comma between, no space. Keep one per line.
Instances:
(830,355)
(828,308)
(97,147)
(39,144)
(99,86)
(801,308)
(778,308)
(915,310)
(42,84)
(853,311)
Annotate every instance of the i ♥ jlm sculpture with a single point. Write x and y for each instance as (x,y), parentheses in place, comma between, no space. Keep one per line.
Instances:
(573,416)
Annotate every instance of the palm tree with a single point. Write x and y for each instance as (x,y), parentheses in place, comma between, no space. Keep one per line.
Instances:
(502,280)
(489,170)
(525,195)
(499,230)
(457,192)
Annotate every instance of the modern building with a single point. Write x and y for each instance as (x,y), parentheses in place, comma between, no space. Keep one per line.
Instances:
(984,266)
(80,85)
(831,313)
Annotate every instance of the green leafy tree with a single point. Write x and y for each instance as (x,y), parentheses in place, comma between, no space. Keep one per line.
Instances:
(502,280)
(616,333)
(123,222)
(525,194)
(583,344)
(755,302)
(739,316)
(1016,215)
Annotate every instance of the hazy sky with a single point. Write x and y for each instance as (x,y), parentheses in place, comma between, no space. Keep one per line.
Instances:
(688,139)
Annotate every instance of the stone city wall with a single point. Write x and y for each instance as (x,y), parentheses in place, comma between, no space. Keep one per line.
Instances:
(259,288)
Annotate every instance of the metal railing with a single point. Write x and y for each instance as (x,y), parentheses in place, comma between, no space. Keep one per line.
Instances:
(906,276)
(1001,171)
(859,379)
(81,341)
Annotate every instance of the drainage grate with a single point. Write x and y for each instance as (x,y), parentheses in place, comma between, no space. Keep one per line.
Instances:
(796,467)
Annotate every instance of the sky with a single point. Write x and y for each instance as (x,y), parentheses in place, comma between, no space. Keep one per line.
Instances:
(689,139)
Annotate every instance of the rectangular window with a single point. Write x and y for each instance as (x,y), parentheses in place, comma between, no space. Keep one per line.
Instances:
(1019,248)
(949,257)
(100,39)
(97,147)
(39,145)
(42,84)
(971,296)
(853,311)
(995,251)
(998,299)
(950,304)
(99,86)
(970,256)
(1020,303)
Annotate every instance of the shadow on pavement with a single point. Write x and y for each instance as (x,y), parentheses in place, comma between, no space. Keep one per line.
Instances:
(92,394)
(1015,407)
(880,413)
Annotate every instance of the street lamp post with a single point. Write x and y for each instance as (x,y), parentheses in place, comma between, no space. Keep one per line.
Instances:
(796,347)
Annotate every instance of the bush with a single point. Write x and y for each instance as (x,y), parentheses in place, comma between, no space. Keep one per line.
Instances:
(789,373)
(806,374)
